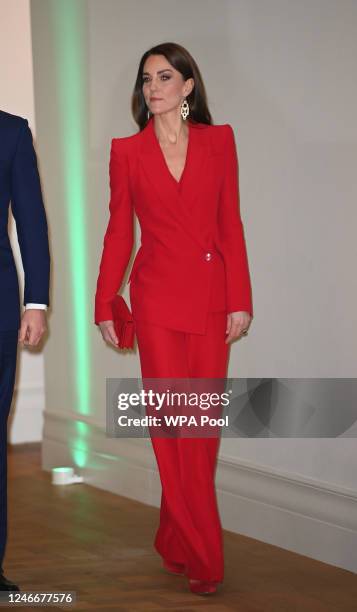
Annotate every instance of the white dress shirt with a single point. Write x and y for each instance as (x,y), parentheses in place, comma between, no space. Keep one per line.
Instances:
(39,306)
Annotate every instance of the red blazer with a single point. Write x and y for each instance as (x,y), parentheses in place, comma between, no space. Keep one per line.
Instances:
(192,257)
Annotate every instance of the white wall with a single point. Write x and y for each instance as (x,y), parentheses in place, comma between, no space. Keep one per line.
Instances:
(280,73)
(17,97)
(276,71)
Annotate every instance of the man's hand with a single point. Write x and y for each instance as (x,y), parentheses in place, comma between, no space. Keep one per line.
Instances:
(237,324)
(33,326)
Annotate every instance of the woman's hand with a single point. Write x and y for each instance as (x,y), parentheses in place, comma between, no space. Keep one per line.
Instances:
(237,324)
(108,332)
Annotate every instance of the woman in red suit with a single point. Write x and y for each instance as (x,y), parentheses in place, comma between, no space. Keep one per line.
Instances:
(190,289)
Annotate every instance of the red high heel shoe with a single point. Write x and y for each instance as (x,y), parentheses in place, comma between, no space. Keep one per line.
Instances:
(202,587)
(174,568)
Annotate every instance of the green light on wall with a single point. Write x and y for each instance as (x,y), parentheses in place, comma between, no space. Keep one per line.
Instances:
(80,448)
(80,456)
(82,429)
(69,34)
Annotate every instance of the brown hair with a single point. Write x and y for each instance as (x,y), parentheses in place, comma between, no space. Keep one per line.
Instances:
(182,61)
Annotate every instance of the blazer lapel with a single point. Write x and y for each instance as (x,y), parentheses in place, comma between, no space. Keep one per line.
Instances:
(179,197)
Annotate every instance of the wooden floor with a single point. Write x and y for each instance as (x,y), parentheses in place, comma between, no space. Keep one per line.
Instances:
(82,539)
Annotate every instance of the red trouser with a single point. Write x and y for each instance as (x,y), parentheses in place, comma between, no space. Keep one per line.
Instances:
(190,530)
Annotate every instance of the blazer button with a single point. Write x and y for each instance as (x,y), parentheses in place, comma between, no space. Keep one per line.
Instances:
(208,256)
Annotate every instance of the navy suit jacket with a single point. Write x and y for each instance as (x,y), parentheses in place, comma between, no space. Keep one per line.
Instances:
(20,184)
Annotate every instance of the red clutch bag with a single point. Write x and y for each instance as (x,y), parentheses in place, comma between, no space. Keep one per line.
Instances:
(123,322)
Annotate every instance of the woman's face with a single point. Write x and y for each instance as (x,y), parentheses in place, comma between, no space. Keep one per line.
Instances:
(164,88)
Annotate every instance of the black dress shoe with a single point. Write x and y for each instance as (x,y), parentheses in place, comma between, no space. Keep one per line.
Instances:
(7,585)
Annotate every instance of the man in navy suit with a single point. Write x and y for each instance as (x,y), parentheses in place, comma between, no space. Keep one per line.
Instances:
(20,184)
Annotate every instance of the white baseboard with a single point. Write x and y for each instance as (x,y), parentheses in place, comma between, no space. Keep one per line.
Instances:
(25,422)
(301,515)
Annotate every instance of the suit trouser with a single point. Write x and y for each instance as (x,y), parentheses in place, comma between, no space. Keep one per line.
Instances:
(190,530)
(8,352)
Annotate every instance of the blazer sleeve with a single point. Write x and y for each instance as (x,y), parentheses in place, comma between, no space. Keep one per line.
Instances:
(31,222)
(231,233)
(118,239)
